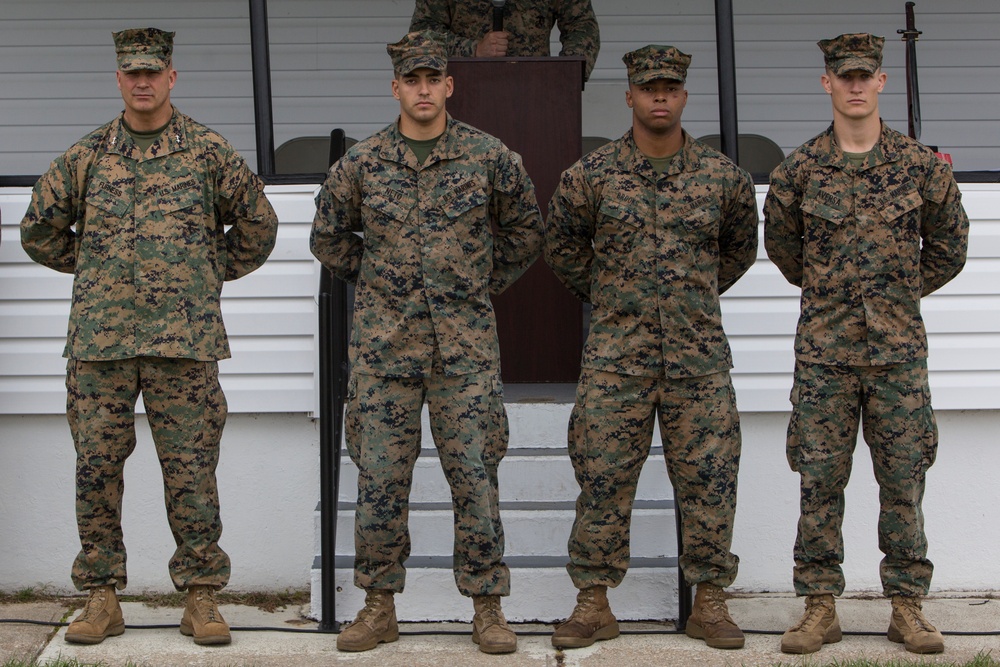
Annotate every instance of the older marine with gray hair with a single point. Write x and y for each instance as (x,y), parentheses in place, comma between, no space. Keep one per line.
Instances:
(151,213)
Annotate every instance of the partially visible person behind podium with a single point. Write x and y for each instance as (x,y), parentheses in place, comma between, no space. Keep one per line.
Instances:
(526,27)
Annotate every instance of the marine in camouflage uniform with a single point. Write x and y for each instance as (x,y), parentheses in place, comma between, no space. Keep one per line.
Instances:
(424,327)
(652,242)
(865,234)
(150,220)
(527,23)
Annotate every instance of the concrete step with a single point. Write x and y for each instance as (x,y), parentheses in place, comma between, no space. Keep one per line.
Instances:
(532,424)
(538,593)
(529,530)
(538,491)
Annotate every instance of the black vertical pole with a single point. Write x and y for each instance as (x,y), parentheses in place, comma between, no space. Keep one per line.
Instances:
(333,373)
(259,56)
(328,467)
(726,56)
(332,392)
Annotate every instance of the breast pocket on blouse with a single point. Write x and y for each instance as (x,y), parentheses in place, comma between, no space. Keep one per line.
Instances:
(185,222)
(384,214)
(184,204)
(468,204)
(109,205)
(701,219)
(701,234)
(824,230)
(900,213)
(617,230)
(471,196)
(109,197)
(466,236)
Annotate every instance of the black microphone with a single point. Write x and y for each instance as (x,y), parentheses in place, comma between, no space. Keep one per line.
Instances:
(498,15)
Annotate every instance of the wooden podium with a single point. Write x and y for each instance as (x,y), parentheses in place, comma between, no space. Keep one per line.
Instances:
(533,105)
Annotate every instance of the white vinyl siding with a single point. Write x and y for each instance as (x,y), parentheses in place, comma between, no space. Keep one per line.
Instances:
(271,319)
(330,69)
(270,316)
(962,319)
(57,71)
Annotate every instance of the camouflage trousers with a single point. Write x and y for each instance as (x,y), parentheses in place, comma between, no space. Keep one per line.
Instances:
(610,431)
(186,410)
(893,404)
(469,426)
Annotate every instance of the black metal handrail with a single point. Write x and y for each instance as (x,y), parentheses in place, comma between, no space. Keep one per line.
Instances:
(333,373)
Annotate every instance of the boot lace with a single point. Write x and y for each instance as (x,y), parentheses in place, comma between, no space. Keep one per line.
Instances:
(815,611)
(490,613)
(586,604)
(95,604)
(715,605)
(375,607)
(913,615)
(206,602)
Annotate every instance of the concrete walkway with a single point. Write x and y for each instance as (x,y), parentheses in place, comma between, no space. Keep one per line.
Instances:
(262,639)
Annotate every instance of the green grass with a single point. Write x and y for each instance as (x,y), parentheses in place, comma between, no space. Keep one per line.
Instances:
(25,595)
(268,601)
(264,601)
(981,660)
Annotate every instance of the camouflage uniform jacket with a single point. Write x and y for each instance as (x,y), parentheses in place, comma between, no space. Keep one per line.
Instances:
(145,239)
(528,22)
(864,244)
(429,260)
(652,252)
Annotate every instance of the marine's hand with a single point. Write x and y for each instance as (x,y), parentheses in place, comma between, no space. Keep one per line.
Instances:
(493,45)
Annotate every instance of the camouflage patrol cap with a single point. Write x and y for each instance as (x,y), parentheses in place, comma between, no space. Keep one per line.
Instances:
(416,50)
(856,51)
(656,62)
(143,48)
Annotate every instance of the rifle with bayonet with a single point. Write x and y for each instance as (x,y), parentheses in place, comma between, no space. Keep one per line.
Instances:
(910,36)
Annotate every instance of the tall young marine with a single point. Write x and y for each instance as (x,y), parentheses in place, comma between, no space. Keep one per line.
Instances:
(449,217)
(866,221)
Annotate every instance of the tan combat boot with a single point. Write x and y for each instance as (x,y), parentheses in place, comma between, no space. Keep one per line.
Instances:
(202,619)
(489,627)
(101,617)
(374,624)
(590,621)
(909,627)
(818,626)
(710,619)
